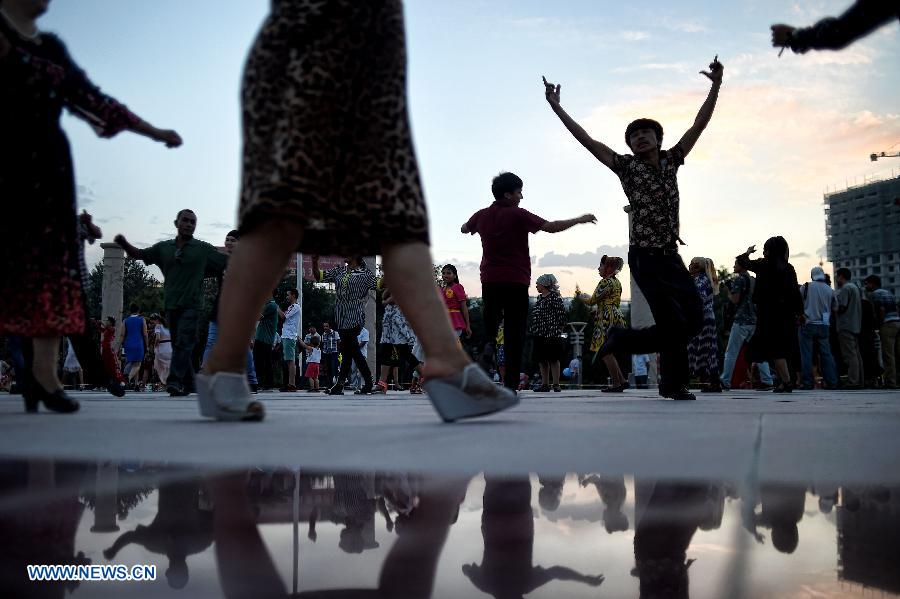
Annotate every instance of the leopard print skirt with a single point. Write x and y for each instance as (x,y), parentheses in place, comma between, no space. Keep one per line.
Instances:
(327,142)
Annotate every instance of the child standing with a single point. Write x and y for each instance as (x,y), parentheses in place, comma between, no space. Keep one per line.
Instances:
(454,296)
(313,359)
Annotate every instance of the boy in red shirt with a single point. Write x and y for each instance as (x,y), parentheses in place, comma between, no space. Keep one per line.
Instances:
(506,264)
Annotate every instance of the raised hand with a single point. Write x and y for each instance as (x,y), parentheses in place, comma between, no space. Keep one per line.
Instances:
(588,218)
(551,92)
(751,249)
(168,137)
(93,231)
(781,35)
(715,71)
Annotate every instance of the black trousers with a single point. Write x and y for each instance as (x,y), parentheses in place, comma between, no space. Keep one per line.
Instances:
(351,352)
(509,302)
(263,356)
(676,307)
(183,326)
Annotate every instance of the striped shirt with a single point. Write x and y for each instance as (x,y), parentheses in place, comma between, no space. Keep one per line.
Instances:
(351,293)
(330,341)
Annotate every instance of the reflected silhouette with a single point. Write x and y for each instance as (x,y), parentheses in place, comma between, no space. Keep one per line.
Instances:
(782,509)
(669,515)
(180,528)
(507,526)
(869,537)
(246,569)
(550,493)
(41,533)
(613,494)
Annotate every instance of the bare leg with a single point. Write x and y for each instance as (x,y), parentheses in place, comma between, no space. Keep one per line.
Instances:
(292,372)
(554,370)
(80,379)
(46,350)
(254,269)
(614,371)
(784,373)
(384,373)
(408,267)
(545,374)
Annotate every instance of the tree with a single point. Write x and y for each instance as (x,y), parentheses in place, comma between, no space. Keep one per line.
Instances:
(139,286)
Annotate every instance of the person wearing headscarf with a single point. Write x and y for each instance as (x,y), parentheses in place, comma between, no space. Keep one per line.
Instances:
(548,317)
(607,298)
(779,305)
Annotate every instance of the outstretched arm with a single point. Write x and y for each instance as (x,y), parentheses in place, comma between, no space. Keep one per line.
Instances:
(600,151)
(693,134)
(836,33)
(555,226)
(132,251)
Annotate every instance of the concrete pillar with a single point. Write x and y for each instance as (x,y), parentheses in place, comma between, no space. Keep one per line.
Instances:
(113,281)
(106,497)
(371,356)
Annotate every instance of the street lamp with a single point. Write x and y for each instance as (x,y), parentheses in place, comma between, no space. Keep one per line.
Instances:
(577,337)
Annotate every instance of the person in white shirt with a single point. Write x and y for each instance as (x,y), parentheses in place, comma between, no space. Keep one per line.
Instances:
(640,365)
(313,359)
(819,304)
(289,333)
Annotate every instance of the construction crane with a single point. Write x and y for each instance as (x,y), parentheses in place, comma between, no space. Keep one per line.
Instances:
(875,157)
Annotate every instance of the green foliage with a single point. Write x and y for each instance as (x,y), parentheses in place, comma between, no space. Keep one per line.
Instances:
(139,286)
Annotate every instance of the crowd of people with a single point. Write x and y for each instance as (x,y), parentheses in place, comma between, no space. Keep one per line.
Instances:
(332,182)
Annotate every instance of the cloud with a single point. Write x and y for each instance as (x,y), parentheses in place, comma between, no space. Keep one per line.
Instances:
(583,259)
(684,25)
(220,225)
(679,67)
(85,195)
(800,255)
(634,36)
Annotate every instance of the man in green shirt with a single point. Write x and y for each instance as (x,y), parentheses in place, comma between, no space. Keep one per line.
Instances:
(184,262)
(264,342)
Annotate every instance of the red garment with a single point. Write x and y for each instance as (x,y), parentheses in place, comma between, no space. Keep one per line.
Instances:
(504,241)
(454,297)
(110,360)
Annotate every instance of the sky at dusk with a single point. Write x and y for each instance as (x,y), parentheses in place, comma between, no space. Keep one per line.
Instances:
(785,129)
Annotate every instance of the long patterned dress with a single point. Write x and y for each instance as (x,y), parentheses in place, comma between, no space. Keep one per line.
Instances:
(703,350)
(607,297)
(42,250)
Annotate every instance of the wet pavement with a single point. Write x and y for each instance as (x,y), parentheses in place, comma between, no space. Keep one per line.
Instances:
(262,532)
(734,495)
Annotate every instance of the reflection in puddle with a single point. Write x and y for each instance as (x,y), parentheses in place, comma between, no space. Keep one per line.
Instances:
(279,533)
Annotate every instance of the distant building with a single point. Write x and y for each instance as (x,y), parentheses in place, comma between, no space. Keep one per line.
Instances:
(863,231)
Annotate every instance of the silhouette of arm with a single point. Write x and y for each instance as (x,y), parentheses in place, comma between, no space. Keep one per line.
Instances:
(706,110)
(831,33)
(599,150)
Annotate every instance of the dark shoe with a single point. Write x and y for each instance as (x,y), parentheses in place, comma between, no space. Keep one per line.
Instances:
(610,346)
(557,389)
(765,388)
(336,389)
(116,388)
(806,388)
(711,388)
(174,390)
(254,388)
(783,388)
(57,401)
(313,390)
(288,389)
(366,389)
(615,388)
(542,389)
(677,393)
(14,389)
